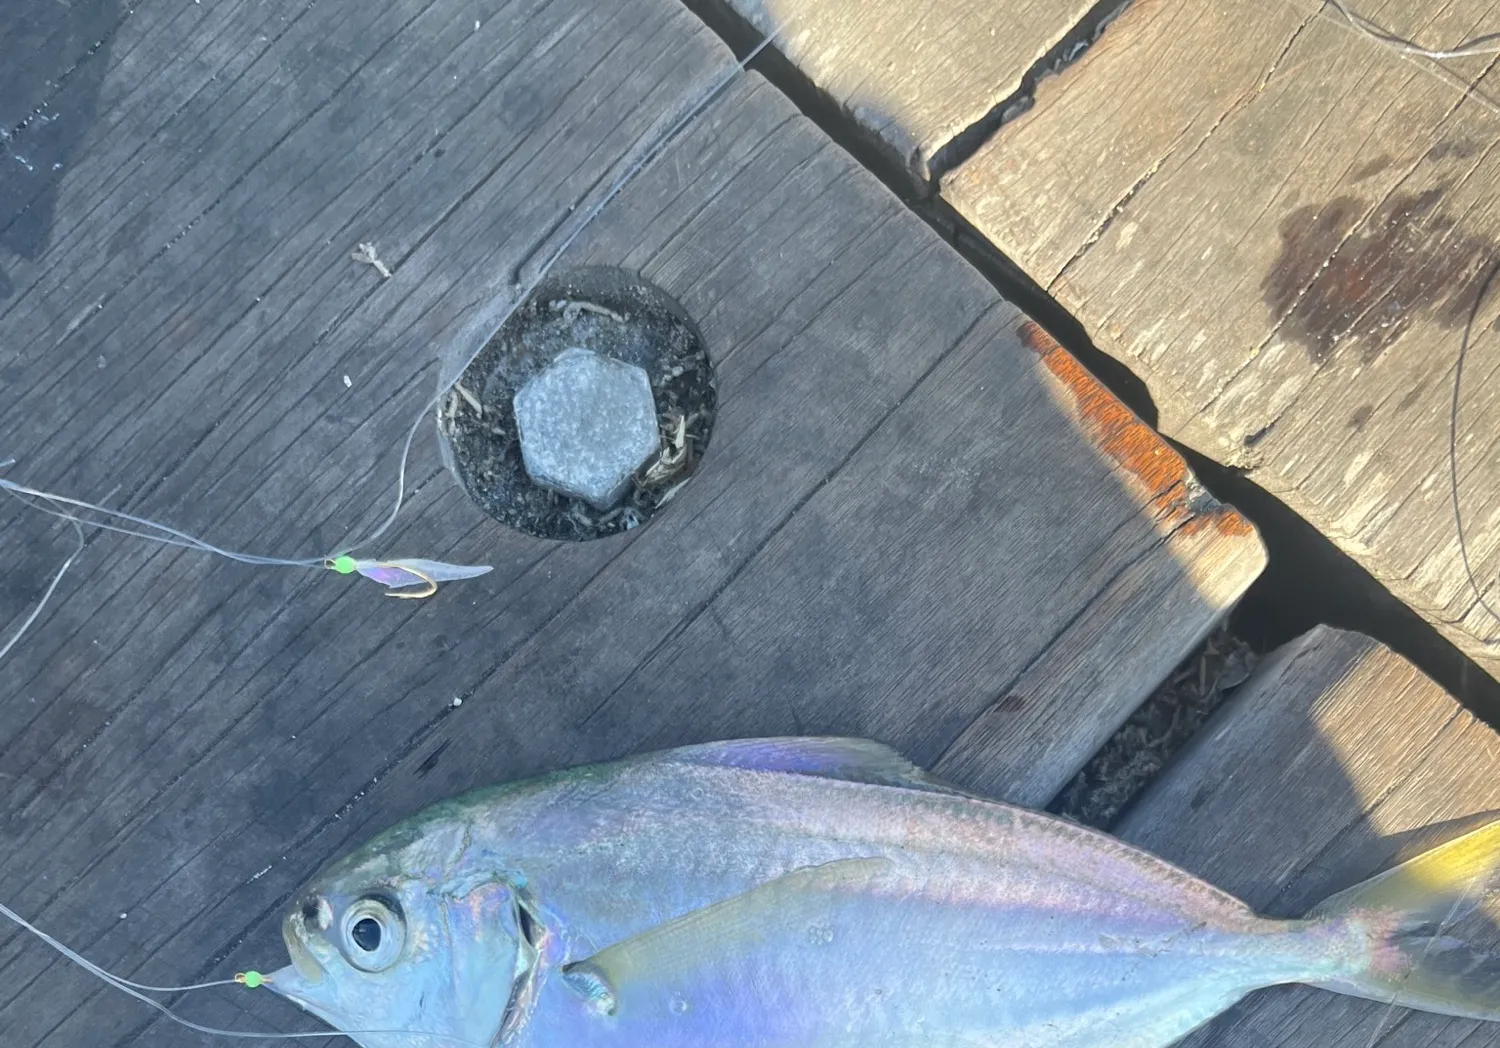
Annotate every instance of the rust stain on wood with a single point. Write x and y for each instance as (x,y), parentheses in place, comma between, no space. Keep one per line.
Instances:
(1173,494)
(1341,278)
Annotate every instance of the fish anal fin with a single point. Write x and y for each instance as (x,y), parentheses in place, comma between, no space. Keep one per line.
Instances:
(851,760)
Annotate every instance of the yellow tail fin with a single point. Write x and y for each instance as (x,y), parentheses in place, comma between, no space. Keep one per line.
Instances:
(1407,914)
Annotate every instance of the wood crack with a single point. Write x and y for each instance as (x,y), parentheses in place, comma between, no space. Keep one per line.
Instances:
(1068,49)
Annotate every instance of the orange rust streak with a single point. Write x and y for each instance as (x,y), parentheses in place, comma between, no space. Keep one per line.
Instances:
(1135,446)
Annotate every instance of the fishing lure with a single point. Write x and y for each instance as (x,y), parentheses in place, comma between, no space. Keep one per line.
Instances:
(400,575)
(397,574)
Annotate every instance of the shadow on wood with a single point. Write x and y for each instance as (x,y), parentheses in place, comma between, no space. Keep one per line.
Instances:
(918,521)
(55,59)
(1337,760)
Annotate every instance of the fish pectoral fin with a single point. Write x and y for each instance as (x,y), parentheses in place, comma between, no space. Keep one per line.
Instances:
(703,936)
(852,760)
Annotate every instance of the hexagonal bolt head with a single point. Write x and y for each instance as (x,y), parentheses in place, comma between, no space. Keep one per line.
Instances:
(587,423)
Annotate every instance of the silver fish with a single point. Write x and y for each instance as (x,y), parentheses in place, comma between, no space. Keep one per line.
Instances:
(791,893)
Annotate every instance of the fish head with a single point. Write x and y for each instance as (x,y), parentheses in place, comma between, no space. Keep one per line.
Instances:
(409,944)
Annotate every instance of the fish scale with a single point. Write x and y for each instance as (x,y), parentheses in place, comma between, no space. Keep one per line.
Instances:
(803,893)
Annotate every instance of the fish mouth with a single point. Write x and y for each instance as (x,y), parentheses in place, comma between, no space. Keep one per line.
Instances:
(299,981)
(294,934)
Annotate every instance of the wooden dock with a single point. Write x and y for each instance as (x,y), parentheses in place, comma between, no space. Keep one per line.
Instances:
(919,519)
(1277,223)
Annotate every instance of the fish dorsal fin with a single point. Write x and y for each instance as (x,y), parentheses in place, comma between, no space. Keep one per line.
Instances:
(703,937)
(852,760)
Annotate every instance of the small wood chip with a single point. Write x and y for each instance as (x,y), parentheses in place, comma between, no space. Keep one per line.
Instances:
(367,255)
(471,398)
(571,307)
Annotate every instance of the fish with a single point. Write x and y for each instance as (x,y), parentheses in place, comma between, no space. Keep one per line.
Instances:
(827,893)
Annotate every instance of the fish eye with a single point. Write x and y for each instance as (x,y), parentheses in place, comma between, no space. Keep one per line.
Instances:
(366,934)
(374,934)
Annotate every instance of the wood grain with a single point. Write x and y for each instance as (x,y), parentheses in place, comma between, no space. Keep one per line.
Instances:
(913,506)
(1336,760)
(912,77)
(1281,227)
(56,55)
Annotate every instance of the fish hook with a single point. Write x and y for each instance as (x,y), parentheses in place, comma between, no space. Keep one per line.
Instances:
(404,573)
(430,582)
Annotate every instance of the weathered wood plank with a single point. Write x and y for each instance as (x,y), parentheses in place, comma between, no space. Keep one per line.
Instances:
(912,77)
(1336,760)
(55,57)
(1016,748)
(914,512)
(1281,227)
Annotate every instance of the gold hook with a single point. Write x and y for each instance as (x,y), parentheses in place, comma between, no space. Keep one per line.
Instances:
(432,586)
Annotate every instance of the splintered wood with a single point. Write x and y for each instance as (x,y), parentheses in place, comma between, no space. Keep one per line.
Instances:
(912,77)
(1282,226)
(1276,222)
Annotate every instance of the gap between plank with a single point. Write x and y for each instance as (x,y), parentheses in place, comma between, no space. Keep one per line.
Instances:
(1308,580)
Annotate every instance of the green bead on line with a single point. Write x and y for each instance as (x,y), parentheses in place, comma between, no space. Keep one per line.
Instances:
(345,565)
(251,979)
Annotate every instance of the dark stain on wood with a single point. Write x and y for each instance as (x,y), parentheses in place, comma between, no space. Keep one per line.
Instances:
(55,59)
(1011,703)
(1174,498)
(430,761)
(1373,168)
(1342,278)
(1459,149)
(1360,416)
(1412,395)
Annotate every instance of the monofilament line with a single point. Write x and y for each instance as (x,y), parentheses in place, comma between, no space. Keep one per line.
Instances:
(139,991)
(1338,12)
(526,287)
(1485,44)
(637,161)
(1443,925)
(169,536)
(1453,486)
(47,594)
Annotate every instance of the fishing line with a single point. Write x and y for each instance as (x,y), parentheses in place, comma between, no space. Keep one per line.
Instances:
(401,574)
(1485,44)
(1353,22)
(523,288)
(1453,487)
(47,595)
(176,538)
(1432,940)
(389,573)
(250,979)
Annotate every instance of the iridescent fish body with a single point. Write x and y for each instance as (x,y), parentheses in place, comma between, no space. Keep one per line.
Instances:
(823,892)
